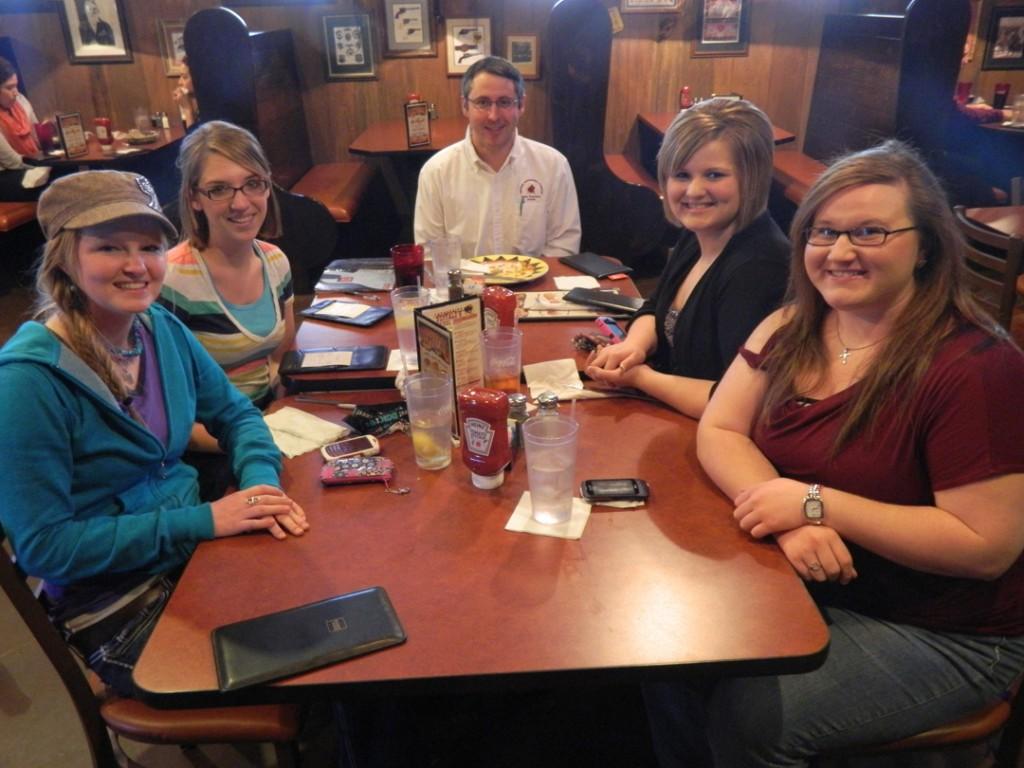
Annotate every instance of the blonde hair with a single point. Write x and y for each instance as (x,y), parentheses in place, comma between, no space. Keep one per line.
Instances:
(58,295)
(237,145)
(941,298)
(747,132)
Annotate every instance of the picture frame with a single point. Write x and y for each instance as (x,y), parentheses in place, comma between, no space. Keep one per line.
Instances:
(409,26)
(72,134)
(95,31)
(172,45)
(722,28)
(524,52)
(651,6)
(348,47)
(1004,42)
(466,40)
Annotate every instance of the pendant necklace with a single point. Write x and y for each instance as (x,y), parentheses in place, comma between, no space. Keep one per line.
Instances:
(124,356)
(844,356)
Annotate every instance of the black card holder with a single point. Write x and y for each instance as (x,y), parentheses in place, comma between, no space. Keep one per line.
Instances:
(364,358)
(608,299)
(369,317)
(596,266)
(307,637)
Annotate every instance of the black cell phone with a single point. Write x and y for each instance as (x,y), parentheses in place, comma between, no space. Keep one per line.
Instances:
(621,489)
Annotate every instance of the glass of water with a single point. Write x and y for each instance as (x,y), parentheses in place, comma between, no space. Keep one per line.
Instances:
(551,465)
(429,397)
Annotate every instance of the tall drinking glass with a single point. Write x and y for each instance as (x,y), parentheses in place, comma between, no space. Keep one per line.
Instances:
(445,253)
(407,260)
(551,465)
(503,358)
(403,301)
(429,397)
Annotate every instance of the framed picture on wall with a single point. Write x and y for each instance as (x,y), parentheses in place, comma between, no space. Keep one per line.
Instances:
(722,28)
(524,52)
(466,40)
(651,6)
(172,46)
(95,31)
(348,47)
(409,27)
(1004,48)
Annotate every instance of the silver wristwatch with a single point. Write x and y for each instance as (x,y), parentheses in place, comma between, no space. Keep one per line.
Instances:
(814,507)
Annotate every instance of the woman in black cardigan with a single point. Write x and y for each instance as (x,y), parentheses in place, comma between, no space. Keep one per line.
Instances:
(726,273)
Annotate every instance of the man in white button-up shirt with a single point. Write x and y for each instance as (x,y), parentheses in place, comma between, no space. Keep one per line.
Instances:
(499,192)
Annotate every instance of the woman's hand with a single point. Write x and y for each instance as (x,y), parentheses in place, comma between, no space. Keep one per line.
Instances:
(611,364)
(818,553)
(259,507)
(772,506)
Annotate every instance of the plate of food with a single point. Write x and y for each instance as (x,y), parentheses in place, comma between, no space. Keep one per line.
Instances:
(135,136)
(510,268)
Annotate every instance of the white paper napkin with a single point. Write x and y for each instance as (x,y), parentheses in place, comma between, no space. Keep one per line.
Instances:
(295,432)
(568,282)
(395,362)
(522,522)
(560,377)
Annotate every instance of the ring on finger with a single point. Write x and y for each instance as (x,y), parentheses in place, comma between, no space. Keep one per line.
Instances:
(815,567)
(252,501)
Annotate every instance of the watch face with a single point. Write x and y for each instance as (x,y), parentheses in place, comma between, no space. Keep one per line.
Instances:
(813,509)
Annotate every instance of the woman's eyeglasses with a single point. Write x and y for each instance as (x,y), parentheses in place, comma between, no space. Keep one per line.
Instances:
(866,235)
(483,104)
(254,189)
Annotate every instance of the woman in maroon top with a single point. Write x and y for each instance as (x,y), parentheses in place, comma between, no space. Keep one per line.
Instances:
(871,426)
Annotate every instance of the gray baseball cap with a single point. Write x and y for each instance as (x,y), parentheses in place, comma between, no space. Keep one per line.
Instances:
(95,197)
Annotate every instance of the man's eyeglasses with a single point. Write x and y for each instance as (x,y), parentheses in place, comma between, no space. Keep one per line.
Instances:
(866,235)
(254,189)
(483,104)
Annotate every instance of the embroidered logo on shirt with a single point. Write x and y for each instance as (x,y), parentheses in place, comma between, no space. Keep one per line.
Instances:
(531,189)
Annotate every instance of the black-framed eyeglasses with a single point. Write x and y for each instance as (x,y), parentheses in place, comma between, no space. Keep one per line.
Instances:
(866,235)
(254,189)
(484,104)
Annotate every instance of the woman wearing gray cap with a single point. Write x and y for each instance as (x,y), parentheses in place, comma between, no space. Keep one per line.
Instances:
(107,387)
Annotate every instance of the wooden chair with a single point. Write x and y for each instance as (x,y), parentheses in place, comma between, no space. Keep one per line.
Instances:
(275,723)
(993,264)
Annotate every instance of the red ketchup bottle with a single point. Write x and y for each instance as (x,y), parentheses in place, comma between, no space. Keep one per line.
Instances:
(103,133)
(485,448)
(499,307)
(685,99)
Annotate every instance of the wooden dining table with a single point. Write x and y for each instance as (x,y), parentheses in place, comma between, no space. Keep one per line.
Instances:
(1008,219)
(668,590)
(121,152)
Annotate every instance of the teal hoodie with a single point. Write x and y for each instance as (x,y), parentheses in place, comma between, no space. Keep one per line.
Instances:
(87,491)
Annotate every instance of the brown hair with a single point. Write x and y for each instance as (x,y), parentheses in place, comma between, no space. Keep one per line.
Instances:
(237,145)
(57,295)
(746,131)
(941,299)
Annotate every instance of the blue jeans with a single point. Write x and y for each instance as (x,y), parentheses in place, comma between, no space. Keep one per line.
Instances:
(880,682)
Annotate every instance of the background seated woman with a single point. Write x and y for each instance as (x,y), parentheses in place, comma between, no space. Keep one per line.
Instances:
(18,139)
(873,428)
(232,290)
(107,389)
(728,269)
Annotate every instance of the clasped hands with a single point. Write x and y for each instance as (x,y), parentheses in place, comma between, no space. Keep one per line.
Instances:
(259,507)
(617,364)
(775,507)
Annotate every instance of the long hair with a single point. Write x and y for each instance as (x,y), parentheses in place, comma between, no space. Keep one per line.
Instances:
(745,130)
(940,302)
(57,294)
(237,145)
(7,70)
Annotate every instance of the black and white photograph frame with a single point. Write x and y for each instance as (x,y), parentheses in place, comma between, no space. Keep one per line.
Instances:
(172,46)
(1004,43)
(466,40)
(722,28)
(651,6)
(524,52)
(348,47)
(95,31)
(409,29)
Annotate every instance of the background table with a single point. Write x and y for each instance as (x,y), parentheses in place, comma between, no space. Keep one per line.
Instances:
(668,589)
(97,158)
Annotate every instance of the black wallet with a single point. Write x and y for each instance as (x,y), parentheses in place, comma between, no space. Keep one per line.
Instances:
(608,299)
(368,317)
(303,638)
(319,359)
(597,266)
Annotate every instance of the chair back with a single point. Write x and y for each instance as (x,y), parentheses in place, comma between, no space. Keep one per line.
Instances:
(15,585)
(993,264)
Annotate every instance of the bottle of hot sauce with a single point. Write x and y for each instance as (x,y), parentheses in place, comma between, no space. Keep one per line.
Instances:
(499,307)
(485,449)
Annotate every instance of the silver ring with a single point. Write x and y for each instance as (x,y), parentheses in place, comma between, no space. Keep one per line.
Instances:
(252,501)
(815,566)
